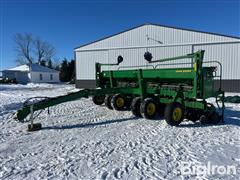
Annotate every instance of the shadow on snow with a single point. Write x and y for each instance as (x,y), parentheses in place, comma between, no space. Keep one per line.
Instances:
(231,118)
(87,125)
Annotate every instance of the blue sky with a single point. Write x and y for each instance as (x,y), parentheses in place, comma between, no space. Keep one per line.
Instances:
(68,24)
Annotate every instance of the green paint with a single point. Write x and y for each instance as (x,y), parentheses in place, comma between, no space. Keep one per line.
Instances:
(190,86)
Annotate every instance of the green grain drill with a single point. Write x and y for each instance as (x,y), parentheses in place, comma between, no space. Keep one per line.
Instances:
(173,93)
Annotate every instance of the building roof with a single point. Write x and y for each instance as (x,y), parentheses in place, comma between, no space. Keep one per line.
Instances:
(24,68)
(160,26)
(32,67)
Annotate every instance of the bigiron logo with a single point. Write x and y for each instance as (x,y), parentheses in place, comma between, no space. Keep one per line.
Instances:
(190,168)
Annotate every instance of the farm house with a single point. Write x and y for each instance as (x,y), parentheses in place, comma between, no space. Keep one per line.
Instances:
(162,42)
(33,73)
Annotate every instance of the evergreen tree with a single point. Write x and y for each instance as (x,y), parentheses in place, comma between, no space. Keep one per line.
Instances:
(43,63)
(67,71)
(57,68)
(64,73)
(50,64)
(71,67)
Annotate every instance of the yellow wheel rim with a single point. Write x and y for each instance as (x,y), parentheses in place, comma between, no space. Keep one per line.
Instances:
(177,114)
(120,102)
(151,108)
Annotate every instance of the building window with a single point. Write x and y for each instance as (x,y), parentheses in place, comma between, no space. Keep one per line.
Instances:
(40,76)
(51,77)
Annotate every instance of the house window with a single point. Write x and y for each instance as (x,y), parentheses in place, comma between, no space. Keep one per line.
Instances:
(40,76)
(51,77)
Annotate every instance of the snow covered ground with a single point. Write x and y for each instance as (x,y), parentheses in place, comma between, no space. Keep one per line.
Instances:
(83,141)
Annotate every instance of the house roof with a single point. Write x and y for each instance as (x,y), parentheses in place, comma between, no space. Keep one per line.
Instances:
(32,67)
(24,68)
(160,26)
(39,68)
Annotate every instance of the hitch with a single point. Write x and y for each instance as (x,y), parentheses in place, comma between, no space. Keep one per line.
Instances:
(32,126)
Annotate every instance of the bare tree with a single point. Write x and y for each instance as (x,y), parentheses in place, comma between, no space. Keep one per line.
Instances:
(23,48)
(31,49)
(44,50)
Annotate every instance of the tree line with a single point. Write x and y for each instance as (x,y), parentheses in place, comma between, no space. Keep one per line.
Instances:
(30,49)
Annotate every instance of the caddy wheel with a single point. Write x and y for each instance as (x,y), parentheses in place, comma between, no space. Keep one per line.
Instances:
(148,108)
(98,100)
(214,118)
(107,101)
(118,102)
(135,106)
(174,113)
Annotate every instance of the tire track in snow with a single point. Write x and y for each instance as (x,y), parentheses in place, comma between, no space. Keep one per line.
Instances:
(91,142)
(144,161)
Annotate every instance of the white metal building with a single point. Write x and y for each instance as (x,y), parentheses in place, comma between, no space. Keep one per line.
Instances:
(133,43)
(32,73)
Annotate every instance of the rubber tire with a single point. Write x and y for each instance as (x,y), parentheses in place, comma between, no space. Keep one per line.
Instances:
(96,100)
(203,119)
(161,109)
(143,108)
(169,113)
(191,115)
(113,102)
(128,103)
(213,118)
(135,106)
(107,101)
